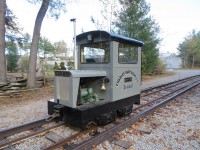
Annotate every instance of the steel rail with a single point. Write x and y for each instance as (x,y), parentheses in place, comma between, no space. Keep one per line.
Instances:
(149,103)
(161,87)
(15,140)
(73,137)
(88,144)
(20,128)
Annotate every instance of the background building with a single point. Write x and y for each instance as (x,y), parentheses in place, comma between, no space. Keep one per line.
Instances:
(172,61)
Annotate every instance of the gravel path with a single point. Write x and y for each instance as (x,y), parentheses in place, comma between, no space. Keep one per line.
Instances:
(179,74)
(32,106)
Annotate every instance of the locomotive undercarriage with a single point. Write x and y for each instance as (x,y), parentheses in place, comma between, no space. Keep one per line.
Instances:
(101,114)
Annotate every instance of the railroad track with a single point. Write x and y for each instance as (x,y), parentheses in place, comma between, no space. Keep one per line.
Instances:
(36,128)
(21,128)
(151,98)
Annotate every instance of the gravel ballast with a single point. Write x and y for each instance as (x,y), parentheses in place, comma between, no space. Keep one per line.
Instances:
(179,128)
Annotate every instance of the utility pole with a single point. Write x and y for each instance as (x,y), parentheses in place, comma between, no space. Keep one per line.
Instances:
(75,51)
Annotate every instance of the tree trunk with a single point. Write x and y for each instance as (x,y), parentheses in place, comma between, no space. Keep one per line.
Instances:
(193,59)
(34,46)
(186,61)
(2,42)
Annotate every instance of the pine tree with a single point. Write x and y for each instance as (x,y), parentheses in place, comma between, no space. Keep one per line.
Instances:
(134,22)
(189,50)
(12,55)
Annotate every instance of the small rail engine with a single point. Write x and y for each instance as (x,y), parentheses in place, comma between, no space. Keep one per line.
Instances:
(106,84)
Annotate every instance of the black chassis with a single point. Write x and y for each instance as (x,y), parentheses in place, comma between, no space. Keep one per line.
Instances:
(102,114)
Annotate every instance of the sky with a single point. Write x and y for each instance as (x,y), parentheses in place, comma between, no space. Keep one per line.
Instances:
(176,18)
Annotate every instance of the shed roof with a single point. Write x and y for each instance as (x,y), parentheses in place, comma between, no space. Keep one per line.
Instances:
(110,36)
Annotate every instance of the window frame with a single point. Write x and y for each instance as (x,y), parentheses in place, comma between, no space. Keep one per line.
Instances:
(82,50)
(135,48)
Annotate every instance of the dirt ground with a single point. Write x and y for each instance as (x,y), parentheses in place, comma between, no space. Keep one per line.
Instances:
(34,95)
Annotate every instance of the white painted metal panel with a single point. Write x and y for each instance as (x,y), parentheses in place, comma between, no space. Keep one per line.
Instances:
(88,73)
(126,83)
(66,90)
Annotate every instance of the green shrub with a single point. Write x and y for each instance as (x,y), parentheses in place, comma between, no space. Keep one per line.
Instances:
(62,66)
(160,68)
(56,66)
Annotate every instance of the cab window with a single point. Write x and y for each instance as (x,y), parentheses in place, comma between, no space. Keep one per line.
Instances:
(95,53)
(127,54)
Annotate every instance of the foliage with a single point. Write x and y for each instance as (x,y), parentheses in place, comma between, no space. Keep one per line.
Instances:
(13,30)
(26,42)
(11,22)
(56,7)
(25,47)
(61,50)
(12,55)
(135,22)
(160,68)
(23,63)
(45,47)
(70,65)
(142,63)
(189,50)
(62,66)
(108,12)
(55,66)
(49,72)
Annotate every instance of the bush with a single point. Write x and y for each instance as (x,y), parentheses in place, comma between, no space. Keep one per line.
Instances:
(62,66)
(70,65)
(160,68)
(55,66)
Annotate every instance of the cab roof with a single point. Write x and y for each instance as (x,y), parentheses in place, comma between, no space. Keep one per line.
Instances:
(106,36)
